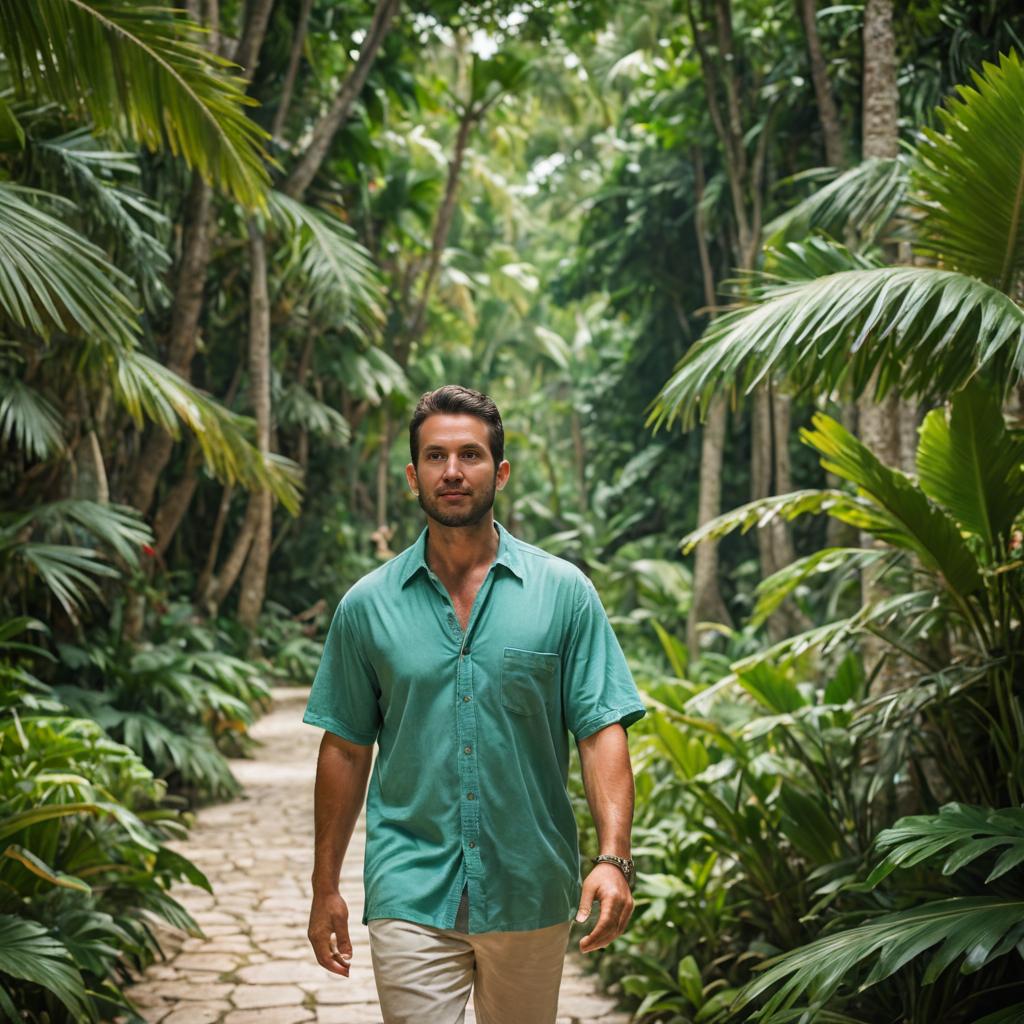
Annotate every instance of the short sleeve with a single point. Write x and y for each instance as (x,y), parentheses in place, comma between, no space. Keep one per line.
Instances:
(598,688)
(343,699)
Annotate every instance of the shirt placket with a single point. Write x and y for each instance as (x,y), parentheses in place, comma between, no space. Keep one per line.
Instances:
(466,731)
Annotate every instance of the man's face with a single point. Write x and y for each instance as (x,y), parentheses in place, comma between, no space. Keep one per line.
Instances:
(455,477)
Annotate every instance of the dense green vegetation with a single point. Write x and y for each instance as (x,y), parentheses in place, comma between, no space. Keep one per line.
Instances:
(745,255)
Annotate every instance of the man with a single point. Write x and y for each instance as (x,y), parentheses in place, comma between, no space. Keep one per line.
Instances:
(468,659)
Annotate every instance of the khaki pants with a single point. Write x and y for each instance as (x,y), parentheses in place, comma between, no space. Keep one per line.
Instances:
(424,975)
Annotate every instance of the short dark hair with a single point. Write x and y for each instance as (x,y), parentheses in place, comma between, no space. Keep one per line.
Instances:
(453,400)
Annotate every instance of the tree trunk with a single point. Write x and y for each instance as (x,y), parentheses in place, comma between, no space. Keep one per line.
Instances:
(707,604)
(328,126)
(881,94)
(761,463)
(879,420)
(181,343)
(204,585)
(383,467)
(288,86)
(827,112)
(173,508)
(441,228)
(253,586)
(222,583)
(257,19)
(254,579)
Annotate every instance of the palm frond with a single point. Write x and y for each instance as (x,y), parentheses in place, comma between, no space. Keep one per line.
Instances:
(761,512)
(29,952)
(29,420)
(969,178)
(67,571)
(924,328)
(75,164)
(338,279)
(774,589)
(372,374)
(971,831)
(297,407)
(978,928)
(859,201)
(148,389)
(970,464)
(898,512)
(52,278)
(140,69)
(119,527)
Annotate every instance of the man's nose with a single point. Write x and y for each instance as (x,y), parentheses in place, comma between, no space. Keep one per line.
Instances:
(452,468)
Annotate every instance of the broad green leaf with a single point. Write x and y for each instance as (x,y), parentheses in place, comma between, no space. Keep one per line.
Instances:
(905,517)
(39,867)
(970,464)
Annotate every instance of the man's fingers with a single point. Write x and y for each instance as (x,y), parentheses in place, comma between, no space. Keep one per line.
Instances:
(586,901)
(325,956)
(604,930)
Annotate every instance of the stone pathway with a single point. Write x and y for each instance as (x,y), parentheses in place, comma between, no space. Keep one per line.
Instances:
(255,965)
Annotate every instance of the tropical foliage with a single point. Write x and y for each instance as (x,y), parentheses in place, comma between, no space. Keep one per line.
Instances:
(237,240)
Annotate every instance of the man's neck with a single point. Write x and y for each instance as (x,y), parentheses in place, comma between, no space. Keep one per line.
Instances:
(455,551)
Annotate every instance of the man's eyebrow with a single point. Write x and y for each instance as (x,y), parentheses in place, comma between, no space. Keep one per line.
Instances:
(441,447)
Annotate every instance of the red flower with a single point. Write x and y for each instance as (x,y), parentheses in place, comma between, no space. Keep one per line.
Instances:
(148,549)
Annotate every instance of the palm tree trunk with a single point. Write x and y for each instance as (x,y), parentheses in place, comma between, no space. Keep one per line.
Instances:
(254,578)
(707,604)
(828,115)
(328,126)
(879,420)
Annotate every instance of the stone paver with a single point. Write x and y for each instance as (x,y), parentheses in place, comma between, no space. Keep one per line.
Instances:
(253,964)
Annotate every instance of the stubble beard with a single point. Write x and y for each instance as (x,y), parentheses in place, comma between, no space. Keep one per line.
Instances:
(479,505)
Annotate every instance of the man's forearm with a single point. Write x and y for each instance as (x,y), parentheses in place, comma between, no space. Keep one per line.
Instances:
(341,773)
(608,781)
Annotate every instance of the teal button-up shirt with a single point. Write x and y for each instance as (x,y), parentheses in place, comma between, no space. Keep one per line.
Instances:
(469,784)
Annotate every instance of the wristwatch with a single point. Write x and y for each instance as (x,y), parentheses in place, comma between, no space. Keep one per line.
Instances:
(624,864)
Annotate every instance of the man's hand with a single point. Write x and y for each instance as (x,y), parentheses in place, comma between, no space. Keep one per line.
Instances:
(607,884)
(328,920)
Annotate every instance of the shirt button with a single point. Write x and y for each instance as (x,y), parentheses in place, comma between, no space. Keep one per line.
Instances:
(472,845)
(466,700)
(471,796)
(468,750)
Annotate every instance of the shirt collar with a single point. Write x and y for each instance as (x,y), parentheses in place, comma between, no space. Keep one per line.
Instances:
(508,555)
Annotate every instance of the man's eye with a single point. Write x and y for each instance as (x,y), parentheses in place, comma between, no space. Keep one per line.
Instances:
(471,455)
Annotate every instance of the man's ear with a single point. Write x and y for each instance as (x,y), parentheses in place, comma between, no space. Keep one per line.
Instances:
(410,476)
(501,477)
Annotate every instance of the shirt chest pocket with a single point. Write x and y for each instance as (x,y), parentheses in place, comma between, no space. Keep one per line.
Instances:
(529,680)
